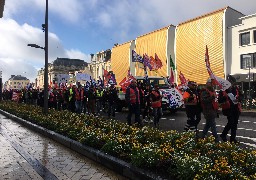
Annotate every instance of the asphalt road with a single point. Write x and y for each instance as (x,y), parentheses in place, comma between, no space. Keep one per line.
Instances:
(246,133)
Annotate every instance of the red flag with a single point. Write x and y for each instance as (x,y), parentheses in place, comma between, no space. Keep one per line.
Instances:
(171,79)
(122,84)
(182,79)
(129,73)
(153,63)
(158,61)
(208,67)
(106,74)
(15,96)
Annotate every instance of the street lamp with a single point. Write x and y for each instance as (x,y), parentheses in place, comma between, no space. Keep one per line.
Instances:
(249,64)
(45,48)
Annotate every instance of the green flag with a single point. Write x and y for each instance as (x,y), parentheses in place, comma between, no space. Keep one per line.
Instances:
(171,63)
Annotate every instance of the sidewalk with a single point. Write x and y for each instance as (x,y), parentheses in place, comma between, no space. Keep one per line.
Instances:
(29,155)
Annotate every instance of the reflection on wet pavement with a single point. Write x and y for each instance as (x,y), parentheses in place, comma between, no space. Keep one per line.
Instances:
(28,155)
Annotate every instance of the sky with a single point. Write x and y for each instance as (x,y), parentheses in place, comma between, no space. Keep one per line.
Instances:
(78,28)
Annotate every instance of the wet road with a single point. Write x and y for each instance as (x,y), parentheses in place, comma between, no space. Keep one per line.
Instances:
(246,133)
(28,155)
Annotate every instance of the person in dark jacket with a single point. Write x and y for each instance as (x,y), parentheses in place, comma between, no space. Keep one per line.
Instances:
(112,100)
(192,106)
(147,107)
(210,108)
(233,96)
(132,98)
(91,95)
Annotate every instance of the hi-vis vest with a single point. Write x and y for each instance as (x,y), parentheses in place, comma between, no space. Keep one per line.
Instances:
(133,96)
(70,94)
(156,103)
(99,93)
(186,96)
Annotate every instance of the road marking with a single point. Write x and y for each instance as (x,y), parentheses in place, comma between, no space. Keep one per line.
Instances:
(171,119)
(246,129)
(163,118)
(246,121)
(242,137)
(249,144)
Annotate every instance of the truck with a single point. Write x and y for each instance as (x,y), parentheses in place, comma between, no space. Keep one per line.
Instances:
(164,87)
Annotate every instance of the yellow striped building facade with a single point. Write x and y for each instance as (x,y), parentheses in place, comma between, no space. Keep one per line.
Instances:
(185,43)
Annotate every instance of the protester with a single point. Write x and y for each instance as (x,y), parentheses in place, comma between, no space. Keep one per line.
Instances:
(132,97)
(210,108)
(99,94)
(230,100)
(91,95)
(79,99)
(192,107)
(156,103)
(147,105)
(112,100)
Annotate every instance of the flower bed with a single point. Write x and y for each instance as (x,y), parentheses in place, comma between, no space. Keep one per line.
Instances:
(164,152)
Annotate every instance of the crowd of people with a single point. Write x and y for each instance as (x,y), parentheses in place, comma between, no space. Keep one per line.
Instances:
(96,100)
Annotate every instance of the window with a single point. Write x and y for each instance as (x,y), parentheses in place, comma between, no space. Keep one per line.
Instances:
(248,60)
(14,86)
(245,38)
(14,83)
(254,36)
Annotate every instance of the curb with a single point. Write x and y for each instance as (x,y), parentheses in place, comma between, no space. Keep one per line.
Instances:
(121,167)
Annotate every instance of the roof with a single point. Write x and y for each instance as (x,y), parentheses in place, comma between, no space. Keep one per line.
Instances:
(18,77)
(69,62)
(123,43)
(156,30)
(248,16)
(208,14)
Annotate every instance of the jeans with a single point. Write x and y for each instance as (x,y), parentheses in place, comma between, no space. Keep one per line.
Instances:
(157,113)
(210,123)
(79,106)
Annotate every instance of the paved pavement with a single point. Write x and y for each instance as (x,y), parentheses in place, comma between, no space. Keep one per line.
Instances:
(28,155)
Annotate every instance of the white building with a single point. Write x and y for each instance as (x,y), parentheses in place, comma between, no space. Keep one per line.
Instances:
(242,52)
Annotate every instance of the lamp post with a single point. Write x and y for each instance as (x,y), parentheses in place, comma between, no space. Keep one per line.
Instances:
(248,62)
(45,29)
(46,61)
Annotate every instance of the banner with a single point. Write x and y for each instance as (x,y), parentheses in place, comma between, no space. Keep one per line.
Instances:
(63,78)
(82,77)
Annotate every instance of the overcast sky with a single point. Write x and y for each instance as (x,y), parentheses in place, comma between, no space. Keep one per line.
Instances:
(78,28)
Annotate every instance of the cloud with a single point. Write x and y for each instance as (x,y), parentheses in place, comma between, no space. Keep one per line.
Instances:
(11,66)
(67,10)
(76,54)
(16,56)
